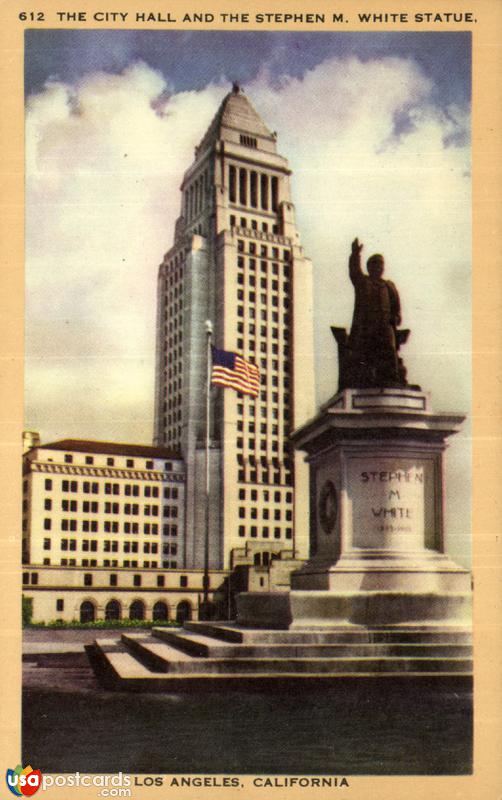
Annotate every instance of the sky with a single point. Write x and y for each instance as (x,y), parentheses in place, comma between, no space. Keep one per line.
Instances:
(376,129)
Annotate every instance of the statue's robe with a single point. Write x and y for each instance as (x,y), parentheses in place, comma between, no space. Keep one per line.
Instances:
(372,339)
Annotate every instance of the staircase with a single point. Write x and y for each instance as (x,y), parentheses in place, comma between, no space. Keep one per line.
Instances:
(215,655)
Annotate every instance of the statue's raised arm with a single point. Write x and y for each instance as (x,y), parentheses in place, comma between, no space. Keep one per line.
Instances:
(355,271)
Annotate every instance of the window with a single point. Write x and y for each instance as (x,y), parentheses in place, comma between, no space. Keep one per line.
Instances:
(110,462)
(232,181)
(248,141)
(48,484)
(59,604)
(26,577)
(89,460)
(130,463)
(47,504)
(47,524)
(160,581)
(47,544)
(68,459)
(113,579)
(137,580)
(149,464)
(183,581)
(87,578)
(34,578)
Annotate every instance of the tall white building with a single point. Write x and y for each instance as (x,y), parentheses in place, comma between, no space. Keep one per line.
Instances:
(237,261)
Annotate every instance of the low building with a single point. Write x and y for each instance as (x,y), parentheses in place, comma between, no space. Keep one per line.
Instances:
(85,595)
(101,504)
(104,538)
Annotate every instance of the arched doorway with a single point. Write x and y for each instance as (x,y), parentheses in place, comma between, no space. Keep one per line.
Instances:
(183,611)
(112,610)
(137,610)
(160,612)
(87,611)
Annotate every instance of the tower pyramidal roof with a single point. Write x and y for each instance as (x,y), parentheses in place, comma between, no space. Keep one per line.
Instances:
(235,114)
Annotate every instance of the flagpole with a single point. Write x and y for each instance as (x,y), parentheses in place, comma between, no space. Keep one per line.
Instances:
(209,333)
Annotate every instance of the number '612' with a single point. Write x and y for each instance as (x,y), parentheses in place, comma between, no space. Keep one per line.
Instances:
(32,15)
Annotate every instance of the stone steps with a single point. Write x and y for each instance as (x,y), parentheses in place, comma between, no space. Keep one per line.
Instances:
(228,632)
(157,656)
(214,656)
(205,646)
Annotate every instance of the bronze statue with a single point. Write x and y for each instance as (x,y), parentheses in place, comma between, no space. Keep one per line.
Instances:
(369,356)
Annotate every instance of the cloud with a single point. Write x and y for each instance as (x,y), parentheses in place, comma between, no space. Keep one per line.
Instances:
(372,157)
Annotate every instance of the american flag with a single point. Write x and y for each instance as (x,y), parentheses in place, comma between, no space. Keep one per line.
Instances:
(234,372)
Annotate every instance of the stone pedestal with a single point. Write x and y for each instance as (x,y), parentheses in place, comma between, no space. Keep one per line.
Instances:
(376,520)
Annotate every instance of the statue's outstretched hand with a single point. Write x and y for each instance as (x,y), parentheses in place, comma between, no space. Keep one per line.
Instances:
(356,247)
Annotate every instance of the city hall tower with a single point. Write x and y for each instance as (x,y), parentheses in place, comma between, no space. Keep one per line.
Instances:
(237,261)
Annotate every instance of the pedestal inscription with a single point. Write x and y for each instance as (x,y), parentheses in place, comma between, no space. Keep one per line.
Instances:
(387,500)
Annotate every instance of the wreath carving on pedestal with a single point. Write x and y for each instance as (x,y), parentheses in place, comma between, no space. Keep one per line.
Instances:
(328,507)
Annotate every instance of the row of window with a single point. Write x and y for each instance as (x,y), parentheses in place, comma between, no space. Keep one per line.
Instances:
(93,487)
(252,409)
(92,545)
(113,508)
(89,507)
(267,332)
(274,254)
(265,513)
(92,562)
(264,445)
(268,281)
(194,196)
(32,578)
(113,610)
(278,496)
(92,526)
(113,562)
(256,189)
(265,532)
(264,299)
(110,462)
(252,224)
(265,475)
